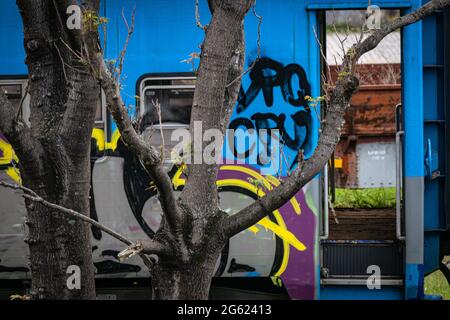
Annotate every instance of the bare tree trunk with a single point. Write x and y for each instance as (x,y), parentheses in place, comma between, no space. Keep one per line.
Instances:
(62,103)
(189,281)
(191,228)
(194,229)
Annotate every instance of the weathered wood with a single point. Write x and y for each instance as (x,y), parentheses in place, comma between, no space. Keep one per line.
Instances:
(363,224)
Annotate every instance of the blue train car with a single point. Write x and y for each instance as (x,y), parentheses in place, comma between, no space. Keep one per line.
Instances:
(288,249)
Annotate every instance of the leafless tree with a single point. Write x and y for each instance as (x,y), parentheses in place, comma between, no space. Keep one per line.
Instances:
(194,229)
(54,151)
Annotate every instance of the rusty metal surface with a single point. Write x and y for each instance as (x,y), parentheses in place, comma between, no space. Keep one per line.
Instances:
(370,119)
(372,111)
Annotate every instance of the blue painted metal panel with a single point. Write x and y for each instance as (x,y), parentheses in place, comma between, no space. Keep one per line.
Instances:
(414,281)
(431,252)
(434,132)
(12,54)
(414,155)
(289,50)
(361,293)
(413,100)
(356,4)
(165,38)
(161,40)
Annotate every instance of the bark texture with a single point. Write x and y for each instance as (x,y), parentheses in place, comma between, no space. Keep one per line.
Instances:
(345,86)
(190,230)
(54,152)
(194,229)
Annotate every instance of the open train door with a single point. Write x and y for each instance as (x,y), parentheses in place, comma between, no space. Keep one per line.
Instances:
(413,239)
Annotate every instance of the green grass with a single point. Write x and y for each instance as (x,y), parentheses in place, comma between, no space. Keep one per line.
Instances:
(436,284)
(371,198)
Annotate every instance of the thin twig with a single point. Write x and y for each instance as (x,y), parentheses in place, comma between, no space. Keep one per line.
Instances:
(197,17)
(333,212)
(260,19)
(19,108)
(322,53)
(157,106)
(60,20)
(105,35)
(33,196)
(78,55)
(62,62)
(258,42)
(130,30)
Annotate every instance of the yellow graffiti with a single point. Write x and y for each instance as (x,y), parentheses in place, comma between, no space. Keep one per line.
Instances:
(265,180)
(114,140)
(283,233)
(14,174)
(268,182)
(99,137)
(279,228)
(254,229)
(9,157)
(102,144)
(277,281)
(177,181)
(8,153)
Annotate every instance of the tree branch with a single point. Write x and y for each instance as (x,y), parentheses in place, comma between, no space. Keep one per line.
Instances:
(258,46)
(92,55)
(221,62)
(144,246)
(147,154)
(344,88)
(19,135)
(197,17)
(357,50)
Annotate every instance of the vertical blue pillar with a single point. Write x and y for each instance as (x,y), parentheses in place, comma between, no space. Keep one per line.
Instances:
(413,102)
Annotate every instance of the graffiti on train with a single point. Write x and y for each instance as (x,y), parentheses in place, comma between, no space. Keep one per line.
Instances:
(267,76)
(119,192)
(281,245)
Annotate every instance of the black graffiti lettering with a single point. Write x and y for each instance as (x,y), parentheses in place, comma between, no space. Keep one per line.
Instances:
(302,120)
(265,76)
(305,89)
(268,74)
(235,125)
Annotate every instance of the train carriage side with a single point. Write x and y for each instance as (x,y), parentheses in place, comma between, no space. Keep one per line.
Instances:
(284,249)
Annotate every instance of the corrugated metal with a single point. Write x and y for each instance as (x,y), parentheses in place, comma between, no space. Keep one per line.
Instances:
(388,51)
(447,132)
(353,259)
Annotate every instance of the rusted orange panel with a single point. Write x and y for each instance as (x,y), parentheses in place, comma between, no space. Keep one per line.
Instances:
(374,73)
(347,175)
(372,111)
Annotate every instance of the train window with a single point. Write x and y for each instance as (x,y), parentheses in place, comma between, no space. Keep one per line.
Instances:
(15,90)
(174,95)
(100,113)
